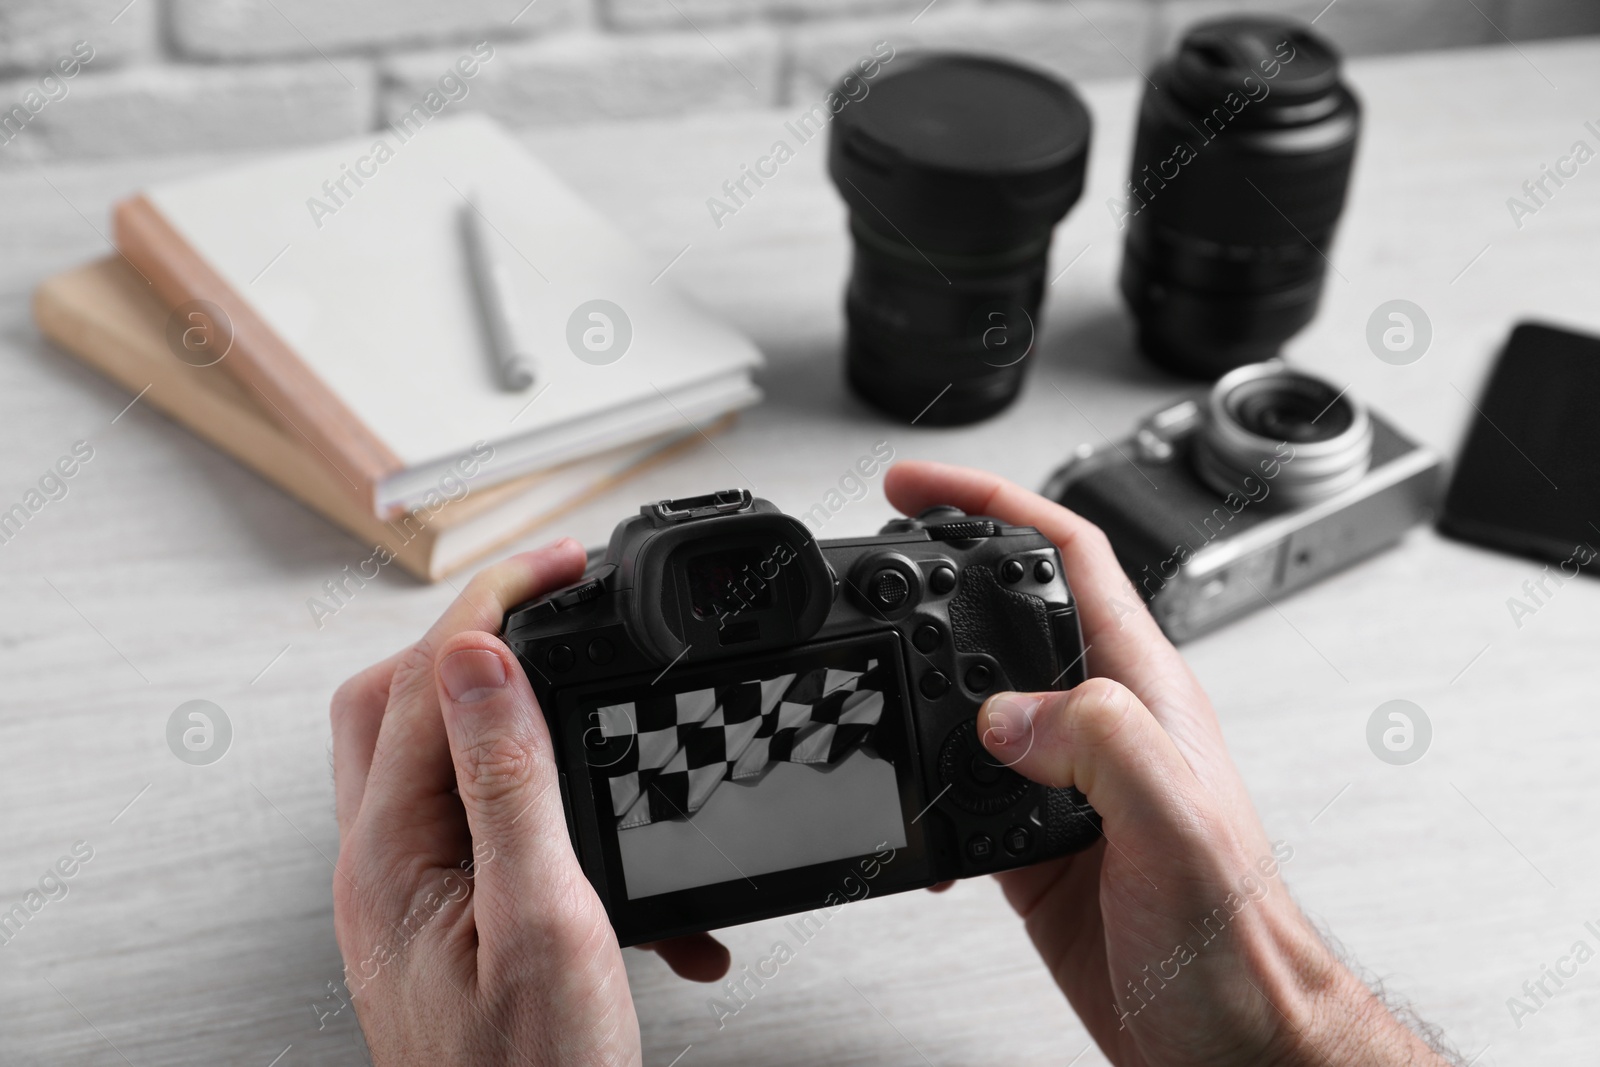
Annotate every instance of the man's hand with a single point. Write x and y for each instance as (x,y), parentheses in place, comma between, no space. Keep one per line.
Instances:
(469,932)
(1173,938)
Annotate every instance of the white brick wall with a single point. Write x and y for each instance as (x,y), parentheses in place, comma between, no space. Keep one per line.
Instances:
(33,35)
(1358,27)
(170,108)
(686,14)
(182,75)
(587,75)
(249,29)
(1082,40)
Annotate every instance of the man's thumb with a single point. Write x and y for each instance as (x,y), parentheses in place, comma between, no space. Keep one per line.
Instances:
(505,769)
(1100,738)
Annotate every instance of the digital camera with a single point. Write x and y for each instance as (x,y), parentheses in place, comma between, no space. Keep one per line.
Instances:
(1219,504)
(749,722)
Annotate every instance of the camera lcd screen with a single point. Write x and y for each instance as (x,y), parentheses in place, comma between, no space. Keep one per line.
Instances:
(794,762)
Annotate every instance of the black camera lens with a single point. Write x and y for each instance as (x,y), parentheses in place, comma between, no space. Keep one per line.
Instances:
(955,168)
(1298,410)
(1240,167)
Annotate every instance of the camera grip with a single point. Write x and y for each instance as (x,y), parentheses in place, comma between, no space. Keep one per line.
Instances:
(1071,825)
(1040,646)
(1013,626)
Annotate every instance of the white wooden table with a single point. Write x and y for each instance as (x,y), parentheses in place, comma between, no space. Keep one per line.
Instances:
(201,930)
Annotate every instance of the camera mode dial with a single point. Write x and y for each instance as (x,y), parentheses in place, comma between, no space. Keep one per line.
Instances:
(939,513)
(942,522)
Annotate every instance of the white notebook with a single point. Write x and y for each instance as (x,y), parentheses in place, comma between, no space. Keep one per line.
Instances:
(367,282)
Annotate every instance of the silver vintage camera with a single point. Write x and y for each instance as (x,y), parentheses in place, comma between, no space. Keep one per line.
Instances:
(1217,505)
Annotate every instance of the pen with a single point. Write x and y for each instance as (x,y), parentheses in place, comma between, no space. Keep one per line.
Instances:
(495,302)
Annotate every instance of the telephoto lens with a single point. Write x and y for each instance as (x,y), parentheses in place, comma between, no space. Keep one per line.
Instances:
(1240,166)
(955,169)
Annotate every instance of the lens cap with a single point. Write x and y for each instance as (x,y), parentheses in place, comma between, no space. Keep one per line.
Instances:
(962,153)
(1244,55)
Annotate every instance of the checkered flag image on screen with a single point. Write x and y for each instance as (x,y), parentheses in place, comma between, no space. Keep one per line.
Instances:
(664,756)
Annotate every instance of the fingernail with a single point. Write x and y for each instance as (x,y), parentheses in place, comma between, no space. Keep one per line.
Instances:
(1007,718)
(472,675)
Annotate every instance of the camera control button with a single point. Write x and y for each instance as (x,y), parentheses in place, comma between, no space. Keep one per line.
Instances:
(980,848)
(560,658)
(984,770)
(1043,571)
(1151,446)
(978,783)
(963,530)
(585,591)
(927,637)
(889,589)
(942,580)
(1018,840)
(601,652)
(934,685)
(979,677)
(1012,571)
